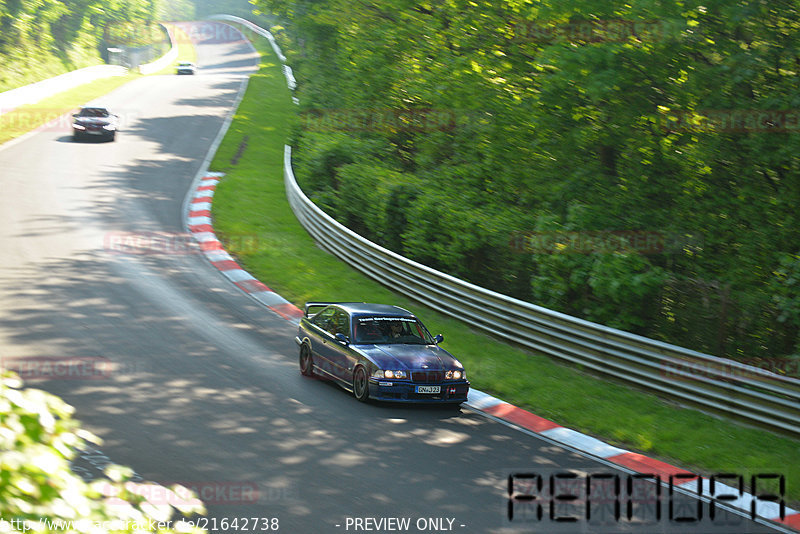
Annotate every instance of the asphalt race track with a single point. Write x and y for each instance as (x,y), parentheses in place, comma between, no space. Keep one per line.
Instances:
(199,384)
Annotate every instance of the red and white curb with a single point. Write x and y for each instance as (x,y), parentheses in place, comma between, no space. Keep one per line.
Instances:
(638,463)
(201,226)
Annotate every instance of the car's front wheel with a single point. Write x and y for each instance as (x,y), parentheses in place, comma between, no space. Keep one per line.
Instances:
(306,361)
(361,384)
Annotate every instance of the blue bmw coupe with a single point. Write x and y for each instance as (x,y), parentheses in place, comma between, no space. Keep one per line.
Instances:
(378,352)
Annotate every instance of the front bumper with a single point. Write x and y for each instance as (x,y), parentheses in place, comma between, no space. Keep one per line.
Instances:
(399,391)
(93,131)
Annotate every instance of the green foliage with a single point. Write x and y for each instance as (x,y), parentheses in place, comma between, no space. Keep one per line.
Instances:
(609,109)
(322,158)
(369,200)
(206,8)
(38,438)
(43,38)
(624,287)
(786,294)
(178,10)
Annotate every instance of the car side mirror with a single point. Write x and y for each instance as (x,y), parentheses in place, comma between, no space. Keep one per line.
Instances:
(341,338)
(74,114)
(438,338)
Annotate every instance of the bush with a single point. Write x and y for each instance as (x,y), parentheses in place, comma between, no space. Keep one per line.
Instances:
(38,438)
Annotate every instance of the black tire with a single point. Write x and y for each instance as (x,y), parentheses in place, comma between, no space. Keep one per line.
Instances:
(361,384)
(306,361)
(112,137)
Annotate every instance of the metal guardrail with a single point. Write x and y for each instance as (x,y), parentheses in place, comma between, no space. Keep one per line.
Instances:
(167,58)
(689,377)
(287,70)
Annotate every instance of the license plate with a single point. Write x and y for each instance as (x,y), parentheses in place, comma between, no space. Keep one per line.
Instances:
(429,389)
(94,132)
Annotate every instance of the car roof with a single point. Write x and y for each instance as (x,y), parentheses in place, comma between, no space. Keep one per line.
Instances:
(365,308)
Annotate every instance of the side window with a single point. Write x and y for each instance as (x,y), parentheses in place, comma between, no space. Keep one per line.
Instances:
(342,321)
(324,319)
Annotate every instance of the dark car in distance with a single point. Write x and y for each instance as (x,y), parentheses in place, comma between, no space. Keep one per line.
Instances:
(185,67)
(379,352)
(94,122)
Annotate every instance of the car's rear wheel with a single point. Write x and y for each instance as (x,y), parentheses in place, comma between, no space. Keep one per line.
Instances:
(306,361)
(361,384)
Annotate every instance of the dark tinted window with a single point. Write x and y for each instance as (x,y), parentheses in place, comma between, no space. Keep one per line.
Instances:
(324,319)
(93,112)
(391,330)
(341,321)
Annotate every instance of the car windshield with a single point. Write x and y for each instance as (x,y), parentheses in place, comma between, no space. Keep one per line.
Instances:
(385,330)
(93,112)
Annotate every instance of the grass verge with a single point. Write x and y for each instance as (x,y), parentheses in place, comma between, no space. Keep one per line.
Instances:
(250,202)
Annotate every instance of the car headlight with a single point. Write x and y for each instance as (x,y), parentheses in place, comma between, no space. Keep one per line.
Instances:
(388,373)
(455,375)
(79,126)
(109,127)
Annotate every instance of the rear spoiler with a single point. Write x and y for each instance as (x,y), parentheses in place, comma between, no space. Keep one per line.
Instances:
(317,304)
(320,304)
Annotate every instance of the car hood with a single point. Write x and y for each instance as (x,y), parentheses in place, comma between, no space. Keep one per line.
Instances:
(400,357)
